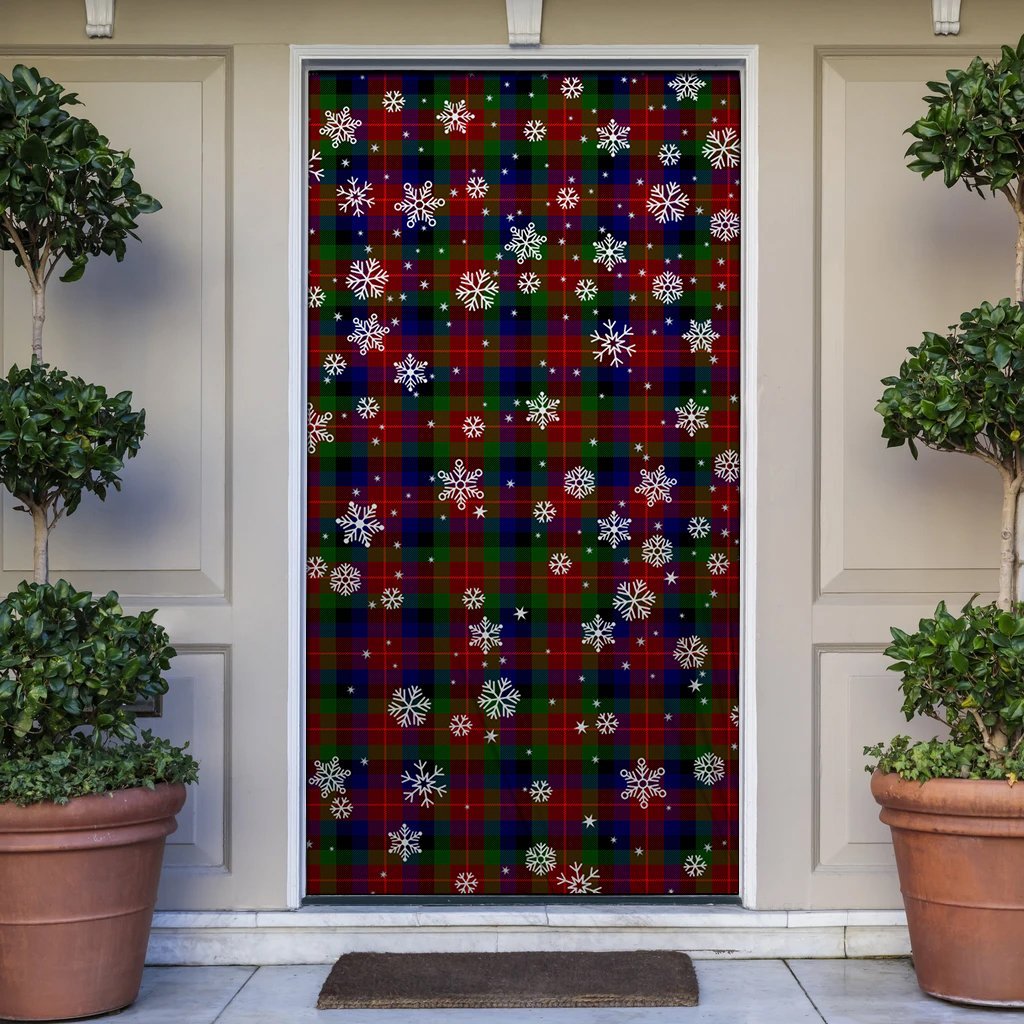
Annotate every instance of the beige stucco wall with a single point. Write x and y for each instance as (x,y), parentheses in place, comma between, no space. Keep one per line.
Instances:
(856,257)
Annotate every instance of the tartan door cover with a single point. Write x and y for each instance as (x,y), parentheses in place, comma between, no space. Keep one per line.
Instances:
(523,483)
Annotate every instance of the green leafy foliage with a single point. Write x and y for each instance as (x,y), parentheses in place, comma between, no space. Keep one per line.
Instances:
(68,661)
(963,391)
(63,190)
(972,130)
(941,759)
(61,437)
(966,671)
(77,768)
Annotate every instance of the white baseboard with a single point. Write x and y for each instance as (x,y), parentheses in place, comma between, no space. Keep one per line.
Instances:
(318,935)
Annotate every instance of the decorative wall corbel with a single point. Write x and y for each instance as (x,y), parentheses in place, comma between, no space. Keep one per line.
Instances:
(99,18)
(524,22)
(946,16)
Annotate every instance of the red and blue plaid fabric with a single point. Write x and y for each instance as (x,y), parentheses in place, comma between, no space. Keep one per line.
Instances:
(523,483)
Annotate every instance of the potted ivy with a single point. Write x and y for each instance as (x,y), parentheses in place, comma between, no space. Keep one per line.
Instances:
(954,805)
(85,801)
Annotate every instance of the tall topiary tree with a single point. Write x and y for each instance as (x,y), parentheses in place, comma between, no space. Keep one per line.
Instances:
(963,391)
(65,197)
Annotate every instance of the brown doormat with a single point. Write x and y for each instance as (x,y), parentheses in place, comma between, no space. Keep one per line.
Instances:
(406,981)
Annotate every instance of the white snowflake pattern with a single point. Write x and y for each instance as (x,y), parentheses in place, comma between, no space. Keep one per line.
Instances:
(695,866)
(686,86)
(613,137)
(316,567)
(579,882)
(409,706)
(608,252)
(425,784)
(727,465)
(460,725)
(572,88)
(405,842)
(669,155)
(613,342)
(709,768)
(718,564)
(473,427)
(567,198)
(498,698)
(355,197)
(341,807)
(525,243)
(318,428)
(368,408)
(699,527)
(455,117)
(656,551)
(701,335)
(334,365)
(643,784)
(614,529)
(466,883)
(316,169)
(585,289)
(691,417)
(359,524)
(598,632)
(560,563)
(393,101)
(477,188)
(461,484)
(722,148)
(477,289)
(540,858)
(667,287)
(579,482)
(367,278)
(419,204)
(485,634)
(535,131)
(340,127)
(543,410)
(329,777)
(633,600)
(473,598)
(345,579)
(528,283)
(725,225)
(540,791)
(316,296)
(690,652)
(667,202)
(544,511)
(368,334)
(392,599)
(655,485)
(409,372)
(606,723)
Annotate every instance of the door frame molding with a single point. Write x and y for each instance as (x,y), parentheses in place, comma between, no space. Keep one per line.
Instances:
(741,58)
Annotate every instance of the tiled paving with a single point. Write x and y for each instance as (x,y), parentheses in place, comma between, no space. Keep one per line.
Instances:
(731,992)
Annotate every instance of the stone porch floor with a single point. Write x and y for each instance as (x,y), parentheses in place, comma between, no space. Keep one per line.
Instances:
(732,992)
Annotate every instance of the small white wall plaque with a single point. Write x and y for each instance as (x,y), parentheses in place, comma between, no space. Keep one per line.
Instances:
(946,16)
(524,22)
(99,18)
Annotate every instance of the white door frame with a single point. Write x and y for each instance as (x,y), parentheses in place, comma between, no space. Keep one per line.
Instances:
(307,58)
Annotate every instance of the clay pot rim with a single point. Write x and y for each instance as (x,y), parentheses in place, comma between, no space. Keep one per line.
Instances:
(96,810)
(979,798)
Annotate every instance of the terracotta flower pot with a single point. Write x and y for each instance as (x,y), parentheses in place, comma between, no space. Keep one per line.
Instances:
(960,853)
(77,889)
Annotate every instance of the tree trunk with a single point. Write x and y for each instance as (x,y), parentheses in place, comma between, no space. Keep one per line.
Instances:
(39,315)
(40,545)
(1008,544)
